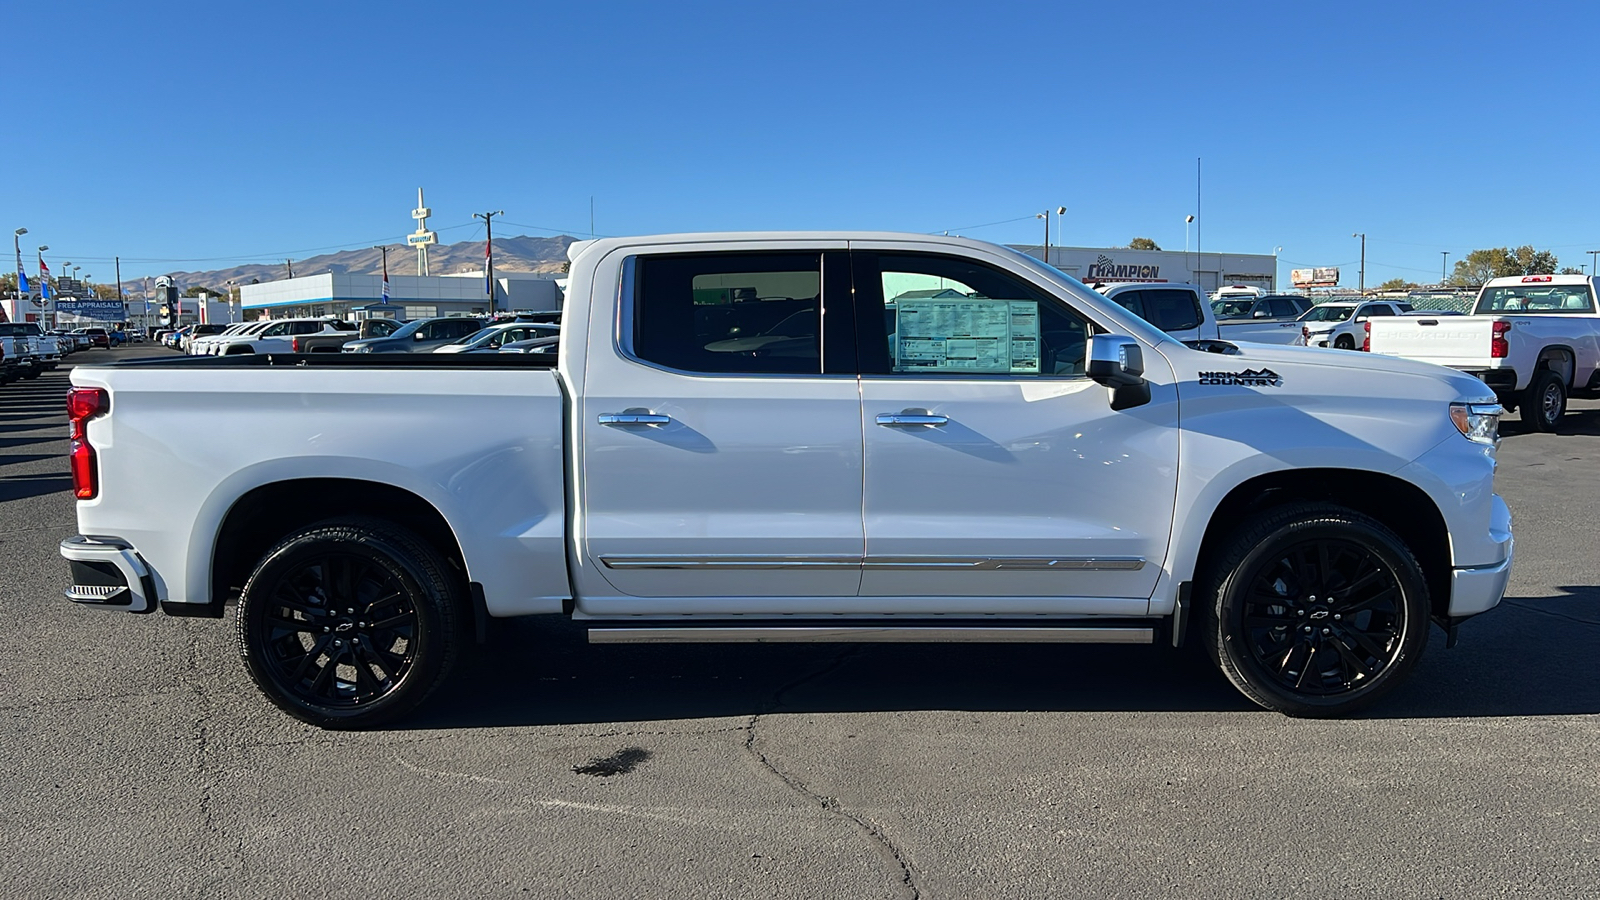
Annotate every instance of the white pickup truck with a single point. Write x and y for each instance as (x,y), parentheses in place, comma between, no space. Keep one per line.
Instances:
(798,437)
(1533,339)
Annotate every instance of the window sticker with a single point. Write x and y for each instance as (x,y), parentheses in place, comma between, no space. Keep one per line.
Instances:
(967,335)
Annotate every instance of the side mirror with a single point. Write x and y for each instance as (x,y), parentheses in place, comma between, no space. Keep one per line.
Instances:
(1118,363)
(1260,314)
(419,336)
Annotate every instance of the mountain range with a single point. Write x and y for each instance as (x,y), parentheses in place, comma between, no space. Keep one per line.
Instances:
(518,253)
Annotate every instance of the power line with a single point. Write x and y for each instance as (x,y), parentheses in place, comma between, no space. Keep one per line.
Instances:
(987,224)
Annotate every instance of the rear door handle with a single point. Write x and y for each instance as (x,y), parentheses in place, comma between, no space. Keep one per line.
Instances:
(911,419)
(633,419)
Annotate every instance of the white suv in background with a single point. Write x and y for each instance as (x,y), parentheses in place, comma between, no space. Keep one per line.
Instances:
(1341,324)
(277,336)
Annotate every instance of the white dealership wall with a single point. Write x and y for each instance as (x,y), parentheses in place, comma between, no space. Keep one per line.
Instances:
(336,294)
(1208,270)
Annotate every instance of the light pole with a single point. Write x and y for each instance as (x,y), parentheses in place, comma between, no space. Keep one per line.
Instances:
(1444,266)
(1046,217)
(1275,252)
(1592,254)
(1061,212)
(1362,284)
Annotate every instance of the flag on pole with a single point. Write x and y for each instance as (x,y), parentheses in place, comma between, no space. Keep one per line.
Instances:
(22,277)
(44,279)
(386,278)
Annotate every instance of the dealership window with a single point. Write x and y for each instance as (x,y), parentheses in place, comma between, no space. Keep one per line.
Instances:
(421,312)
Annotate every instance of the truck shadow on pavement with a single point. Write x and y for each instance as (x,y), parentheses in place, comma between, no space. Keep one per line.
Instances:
(1584,422)
(16,487)
(1531,657)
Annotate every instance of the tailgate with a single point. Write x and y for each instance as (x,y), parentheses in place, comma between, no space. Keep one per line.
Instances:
(1441,339)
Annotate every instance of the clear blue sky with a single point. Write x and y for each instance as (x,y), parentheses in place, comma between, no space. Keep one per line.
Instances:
(194,135)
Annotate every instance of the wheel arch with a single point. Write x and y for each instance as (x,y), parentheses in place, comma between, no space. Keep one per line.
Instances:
(1559,358)
(264,515)
(1400,505)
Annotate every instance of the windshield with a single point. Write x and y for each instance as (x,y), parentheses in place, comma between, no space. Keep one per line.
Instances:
(408,329)
(1536,298)
(1328,313)
(1232,309)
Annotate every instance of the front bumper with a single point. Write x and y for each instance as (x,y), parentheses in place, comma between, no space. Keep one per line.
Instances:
(1476,589)
(108,572)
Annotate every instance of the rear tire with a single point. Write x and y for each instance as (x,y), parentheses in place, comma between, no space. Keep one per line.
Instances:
(350,624)
(1314,610)
(1544,402)
(1344,342)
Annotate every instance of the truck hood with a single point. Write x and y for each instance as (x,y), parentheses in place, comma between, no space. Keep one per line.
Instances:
(1329,368)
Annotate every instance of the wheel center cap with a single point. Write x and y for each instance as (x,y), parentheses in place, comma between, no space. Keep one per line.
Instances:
(344,626)
(1319,614)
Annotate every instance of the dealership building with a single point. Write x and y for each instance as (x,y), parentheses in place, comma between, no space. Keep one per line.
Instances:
(1208,270)
(350,296)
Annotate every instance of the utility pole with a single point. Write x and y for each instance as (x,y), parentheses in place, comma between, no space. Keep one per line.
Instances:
(488,253)
(118,261)
(1443,266)
(1362,284)
(1592,266)
(290,264)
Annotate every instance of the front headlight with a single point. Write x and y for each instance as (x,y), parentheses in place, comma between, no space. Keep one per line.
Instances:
(1478,421)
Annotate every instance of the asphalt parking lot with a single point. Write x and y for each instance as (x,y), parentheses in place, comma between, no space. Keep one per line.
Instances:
(138,760)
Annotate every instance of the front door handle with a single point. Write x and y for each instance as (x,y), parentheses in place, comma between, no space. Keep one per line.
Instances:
(633,419)
(911,419)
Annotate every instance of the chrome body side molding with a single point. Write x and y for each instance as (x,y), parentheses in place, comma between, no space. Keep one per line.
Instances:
(1032,563)
(871,634)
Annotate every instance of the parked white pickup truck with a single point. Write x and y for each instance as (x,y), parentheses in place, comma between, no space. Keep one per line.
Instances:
(798,437)
(1533,339)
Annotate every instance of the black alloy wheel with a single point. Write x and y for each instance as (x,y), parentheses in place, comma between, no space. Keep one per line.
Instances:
(350,624)
(1344,342)
(1318,610)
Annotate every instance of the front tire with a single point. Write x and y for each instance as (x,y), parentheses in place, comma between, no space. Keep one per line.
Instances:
(1344,342)
(1545,401)
(1315,610)
(350,624)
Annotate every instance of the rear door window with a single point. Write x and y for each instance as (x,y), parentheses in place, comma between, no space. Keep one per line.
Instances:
(1170,309)
(1284,308)
(730,313)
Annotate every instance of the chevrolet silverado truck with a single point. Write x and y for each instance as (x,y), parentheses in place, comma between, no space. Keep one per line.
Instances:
(1533,339)
(798,437)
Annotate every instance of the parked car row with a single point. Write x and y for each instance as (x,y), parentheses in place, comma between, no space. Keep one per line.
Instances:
(325,334)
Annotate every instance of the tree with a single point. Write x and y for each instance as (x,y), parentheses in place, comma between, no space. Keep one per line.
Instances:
(1397,284)
(1499,262)
(198,289)
(1568,270)
(105,291)
(1527,261)
(1143,243)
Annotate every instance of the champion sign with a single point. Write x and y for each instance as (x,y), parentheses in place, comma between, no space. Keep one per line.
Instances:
(1106,269)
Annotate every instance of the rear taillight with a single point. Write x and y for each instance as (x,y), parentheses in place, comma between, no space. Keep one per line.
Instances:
(1366,342)
(84,404)
(1499,347)
(295,345)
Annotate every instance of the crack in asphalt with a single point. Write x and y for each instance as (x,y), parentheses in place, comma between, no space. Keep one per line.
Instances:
(871,831)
